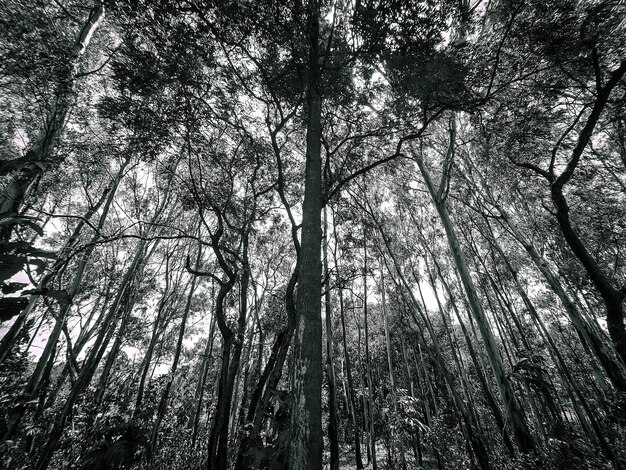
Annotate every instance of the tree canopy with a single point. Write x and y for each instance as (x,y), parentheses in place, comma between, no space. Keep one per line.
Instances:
(312,234)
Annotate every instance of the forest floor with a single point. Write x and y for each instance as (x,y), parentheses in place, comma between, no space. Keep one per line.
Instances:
(347,461)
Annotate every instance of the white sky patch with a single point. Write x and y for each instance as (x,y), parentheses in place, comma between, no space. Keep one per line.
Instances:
(20,139)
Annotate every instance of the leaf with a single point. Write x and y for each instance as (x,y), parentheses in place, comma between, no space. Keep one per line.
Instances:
(61,295)
(23,220)
(11,307)
(40,265)
(41,253)
(35,227)
(12,287)
(10,265)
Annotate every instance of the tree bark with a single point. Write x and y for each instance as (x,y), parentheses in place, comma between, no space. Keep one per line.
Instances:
(179,347)
(40,157)
(330,367)
(507,395)
(91,362)
(351,394)
(368,364)
(305,450)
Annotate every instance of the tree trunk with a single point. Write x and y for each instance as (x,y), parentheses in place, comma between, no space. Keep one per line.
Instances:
(232,346)
(92,360)
(7,340)
(351,394)
(368,366)
(208,352)
(467,413)
(305,450)
(614,368)
(147,360)
(179,347)
(507,395)
(42,153)
(330,367)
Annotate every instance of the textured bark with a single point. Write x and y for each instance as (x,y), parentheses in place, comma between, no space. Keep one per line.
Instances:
(613,297)
(305,448)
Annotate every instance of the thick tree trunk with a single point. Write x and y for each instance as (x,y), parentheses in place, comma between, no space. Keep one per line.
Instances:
(305,450)
(611,292)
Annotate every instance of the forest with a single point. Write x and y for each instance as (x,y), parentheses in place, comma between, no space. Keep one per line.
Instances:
(312,234)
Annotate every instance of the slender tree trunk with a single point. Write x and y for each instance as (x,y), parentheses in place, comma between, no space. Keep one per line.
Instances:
(115,348)
(416,441)
(40,157)
(467,413)
(351,393)
(330,368)
(609,289)
(268,382)
(93,358)
(147,361)
(392,375)
(614,368)
(507,395)
(8,339)
(232,345)
(163,404)
(478,364)
(199,396)
(368,367)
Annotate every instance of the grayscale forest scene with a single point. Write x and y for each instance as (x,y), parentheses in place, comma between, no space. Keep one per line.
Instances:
(312,234)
